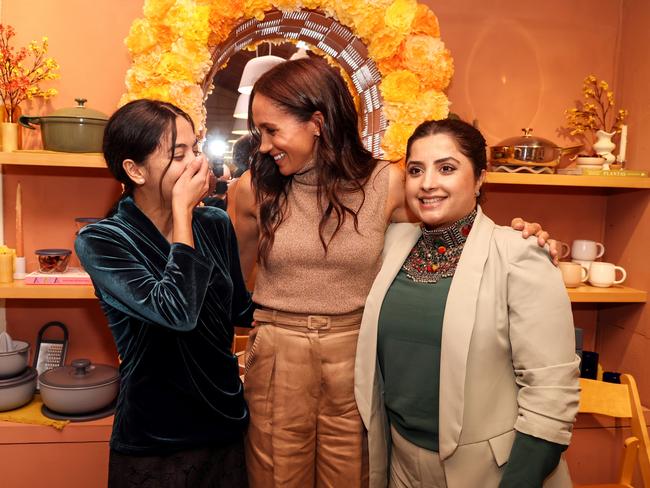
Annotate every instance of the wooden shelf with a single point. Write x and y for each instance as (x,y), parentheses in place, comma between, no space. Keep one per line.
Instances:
(638,182)
(18,289)
(53,158)
(613,294)
(582,294)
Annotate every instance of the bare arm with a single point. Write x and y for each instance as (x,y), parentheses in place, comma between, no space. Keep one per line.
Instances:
(246,224)
(396,208)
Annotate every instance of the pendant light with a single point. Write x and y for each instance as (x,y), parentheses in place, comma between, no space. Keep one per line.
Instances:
(241,108)
(255,68)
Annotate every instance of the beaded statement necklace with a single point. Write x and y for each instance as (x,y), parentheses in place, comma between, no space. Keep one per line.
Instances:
(437,252)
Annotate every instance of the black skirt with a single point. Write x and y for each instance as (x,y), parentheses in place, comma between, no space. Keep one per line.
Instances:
(207,467)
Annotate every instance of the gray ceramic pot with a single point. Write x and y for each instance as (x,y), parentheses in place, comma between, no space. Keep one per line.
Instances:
(80,388)
(14,362)
(17,391)
(77,129)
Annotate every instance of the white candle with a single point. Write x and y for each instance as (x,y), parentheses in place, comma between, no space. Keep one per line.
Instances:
(622,145)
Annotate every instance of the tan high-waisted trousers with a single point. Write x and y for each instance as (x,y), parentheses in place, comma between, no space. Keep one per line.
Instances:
(305,430)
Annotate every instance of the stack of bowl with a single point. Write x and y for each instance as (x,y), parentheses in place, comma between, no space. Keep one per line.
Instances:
(590,162)
(17,379)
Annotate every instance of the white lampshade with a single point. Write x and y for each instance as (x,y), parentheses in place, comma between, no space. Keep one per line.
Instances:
(240,127)
(255,68)
(241,108)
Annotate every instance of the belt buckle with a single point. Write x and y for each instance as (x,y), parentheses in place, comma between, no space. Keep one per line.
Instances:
(319,322)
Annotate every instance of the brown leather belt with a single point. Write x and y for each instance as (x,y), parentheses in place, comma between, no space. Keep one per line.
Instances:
(309,323)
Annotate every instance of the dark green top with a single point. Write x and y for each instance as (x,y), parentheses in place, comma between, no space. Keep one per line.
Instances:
(408,344)
(171,309)
(408,349)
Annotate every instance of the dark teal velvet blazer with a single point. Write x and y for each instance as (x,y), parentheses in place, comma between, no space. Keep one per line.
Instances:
(171,309)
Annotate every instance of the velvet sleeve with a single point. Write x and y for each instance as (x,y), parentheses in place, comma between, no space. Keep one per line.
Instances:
(173,299)
(242,303)
(531,460)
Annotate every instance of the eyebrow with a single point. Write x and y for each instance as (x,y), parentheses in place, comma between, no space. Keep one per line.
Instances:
(266,125)
(180,146)
(437,161)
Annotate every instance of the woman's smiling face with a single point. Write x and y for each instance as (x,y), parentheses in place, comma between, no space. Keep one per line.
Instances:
(289,141)
(440,183)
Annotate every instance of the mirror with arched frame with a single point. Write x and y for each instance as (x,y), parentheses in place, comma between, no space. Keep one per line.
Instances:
(320,33)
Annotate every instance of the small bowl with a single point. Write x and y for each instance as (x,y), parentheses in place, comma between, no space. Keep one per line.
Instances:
(590,161)
(53,260)
(14,362)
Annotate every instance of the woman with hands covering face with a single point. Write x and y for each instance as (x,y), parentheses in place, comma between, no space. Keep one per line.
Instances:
(168,278)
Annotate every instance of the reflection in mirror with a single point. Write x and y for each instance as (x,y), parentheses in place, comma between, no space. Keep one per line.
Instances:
(225,101)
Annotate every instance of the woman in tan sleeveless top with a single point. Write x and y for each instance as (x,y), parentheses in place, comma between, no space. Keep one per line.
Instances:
(312,212)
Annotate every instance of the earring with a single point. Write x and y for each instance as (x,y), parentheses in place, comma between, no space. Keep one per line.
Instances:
(477,193)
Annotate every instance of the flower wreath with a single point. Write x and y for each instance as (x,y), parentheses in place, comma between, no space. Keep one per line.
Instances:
(171,50)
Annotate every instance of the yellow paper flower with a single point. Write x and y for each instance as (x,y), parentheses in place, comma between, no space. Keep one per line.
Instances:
(421,52)
(400,86)
(157,9)
(425,22)
(141,37)
(400,14)
(395,138)
(430,105)
(255,8)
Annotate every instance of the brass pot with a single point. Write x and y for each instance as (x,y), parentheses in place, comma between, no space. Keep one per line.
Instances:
(78,129)
(529,150)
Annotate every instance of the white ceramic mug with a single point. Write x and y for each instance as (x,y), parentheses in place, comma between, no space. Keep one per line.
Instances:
(573,274)
(603,275)
(585,250)
(565,249)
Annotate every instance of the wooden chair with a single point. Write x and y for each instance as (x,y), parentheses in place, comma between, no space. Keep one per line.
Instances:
(620,401)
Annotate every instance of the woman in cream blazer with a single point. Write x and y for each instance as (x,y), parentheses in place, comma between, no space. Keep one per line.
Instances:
(507,360)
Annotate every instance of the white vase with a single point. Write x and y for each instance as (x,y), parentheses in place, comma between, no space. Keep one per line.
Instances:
(9,136)
(604,147)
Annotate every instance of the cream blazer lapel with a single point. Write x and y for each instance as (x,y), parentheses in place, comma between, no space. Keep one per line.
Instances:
(458,323)
(400,239)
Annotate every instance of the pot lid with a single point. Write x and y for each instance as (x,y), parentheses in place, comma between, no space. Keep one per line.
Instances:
(79,111)
(79,375)
(53,252)
(527,140)
(25,377)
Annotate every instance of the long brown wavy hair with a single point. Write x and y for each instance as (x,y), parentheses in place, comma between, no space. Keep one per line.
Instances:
(343,165)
